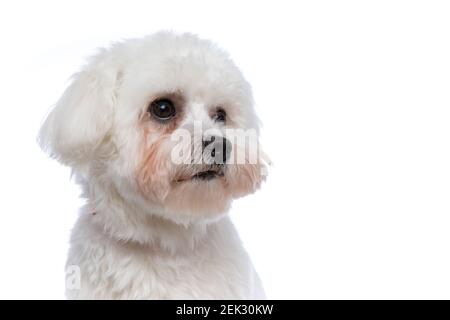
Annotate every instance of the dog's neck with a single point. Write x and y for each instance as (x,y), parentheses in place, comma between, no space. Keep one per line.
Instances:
(122,221)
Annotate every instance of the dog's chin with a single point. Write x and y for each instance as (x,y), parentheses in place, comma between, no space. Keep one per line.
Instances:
(203,194)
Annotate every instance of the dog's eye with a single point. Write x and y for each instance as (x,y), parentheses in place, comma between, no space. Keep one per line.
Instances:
(220,115)
(162,109)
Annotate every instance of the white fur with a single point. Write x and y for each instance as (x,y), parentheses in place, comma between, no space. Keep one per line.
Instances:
(167,241)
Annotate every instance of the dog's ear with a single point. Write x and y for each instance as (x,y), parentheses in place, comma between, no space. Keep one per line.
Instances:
(83,117)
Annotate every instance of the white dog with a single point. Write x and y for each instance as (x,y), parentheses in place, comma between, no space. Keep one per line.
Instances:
(154,226)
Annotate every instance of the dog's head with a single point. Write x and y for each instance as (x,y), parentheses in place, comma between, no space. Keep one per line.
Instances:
(166,121)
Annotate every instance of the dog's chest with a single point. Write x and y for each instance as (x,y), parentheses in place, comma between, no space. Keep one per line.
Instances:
(216,269)
(199,276)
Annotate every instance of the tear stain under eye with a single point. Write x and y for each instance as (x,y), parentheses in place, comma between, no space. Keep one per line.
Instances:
(151,171)
(152,126)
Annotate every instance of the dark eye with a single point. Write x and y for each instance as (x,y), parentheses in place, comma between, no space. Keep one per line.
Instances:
(162,109)
(220,115)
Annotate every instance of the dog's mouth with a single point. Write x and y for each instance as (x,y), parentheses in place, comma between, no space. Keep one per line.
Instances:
(205,175)
(208,174)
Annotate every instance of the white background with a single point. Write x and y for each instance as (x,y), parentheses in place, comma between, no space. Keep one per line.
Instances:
(355,101)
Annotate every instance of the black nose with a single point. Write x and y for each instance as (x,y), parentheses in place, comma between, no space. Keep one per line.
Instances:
(217,149)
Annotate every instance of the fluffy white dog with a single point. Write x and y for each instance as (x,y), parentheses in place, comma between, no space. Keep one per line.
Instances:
(157,187)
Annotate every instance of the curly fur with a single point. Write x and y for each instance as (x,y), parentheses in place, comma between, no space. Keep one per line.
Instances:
(148,231)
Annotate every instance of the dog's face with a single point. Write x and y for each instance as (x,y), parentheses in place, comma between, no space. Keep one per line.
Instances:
(166,122)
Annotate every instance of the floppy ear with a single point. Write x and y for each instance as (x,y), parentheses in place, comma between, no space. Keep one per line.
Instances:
(83,116)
